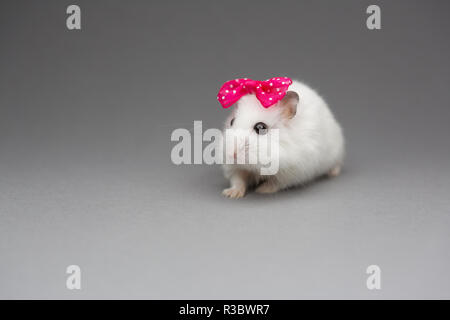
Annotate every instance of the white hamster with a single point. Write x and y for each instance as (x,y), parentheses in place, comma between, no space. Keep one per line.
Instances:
(311,142)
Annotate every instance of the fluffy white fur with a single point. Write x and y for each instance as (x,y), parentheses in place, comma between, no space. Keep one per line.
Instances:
(311,143)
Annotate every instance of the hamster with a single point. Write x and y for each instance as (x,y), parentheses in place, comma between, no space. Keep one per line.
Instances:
(311,141)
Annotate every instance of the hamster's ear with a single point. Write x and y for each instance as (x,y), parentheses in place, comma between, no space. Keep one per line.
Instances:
(289,104)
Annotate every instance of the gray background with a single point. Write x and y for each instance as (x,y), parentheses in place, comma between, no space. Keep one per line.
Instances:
(85,170)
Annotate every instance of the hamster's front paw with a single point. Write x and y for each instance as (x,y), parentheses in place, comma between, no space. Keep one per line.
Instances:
(234,192)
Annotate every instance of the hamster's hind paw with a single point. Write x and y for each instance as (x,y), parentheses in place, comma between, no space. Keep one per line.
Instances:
(335,171)
(234,193)
(267,187)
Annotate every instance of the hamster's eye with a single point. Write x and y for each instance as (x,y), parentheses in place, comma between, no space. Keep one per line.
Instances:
(260,128)
(231,122)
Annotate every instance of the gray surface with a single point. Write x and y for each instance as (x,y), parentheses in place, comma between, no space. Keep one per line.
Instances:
(86,176)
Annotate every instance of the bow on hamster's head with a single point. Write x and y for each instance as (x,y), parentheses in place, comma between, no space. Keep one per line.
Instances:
(250,121)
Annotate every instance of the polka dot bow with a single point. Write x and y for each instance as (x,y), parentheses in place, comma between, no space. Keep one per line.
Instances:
(268,92)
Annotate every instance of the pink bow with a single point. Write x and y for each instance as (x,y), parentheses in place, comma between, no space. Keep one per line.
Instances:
(268,92)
